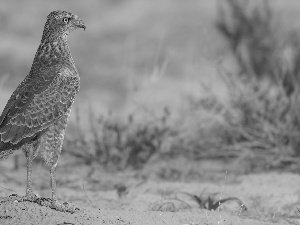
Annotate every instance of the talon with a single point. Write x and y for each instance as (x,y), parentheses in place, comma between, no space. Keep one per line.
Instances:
(30,197)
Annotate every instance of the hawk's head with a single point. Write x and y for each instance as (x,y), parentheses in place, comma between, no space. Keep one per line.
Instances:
(62,23)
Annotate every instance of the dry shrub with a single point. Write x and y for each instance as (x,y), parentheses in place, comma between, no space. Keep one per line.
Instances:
(257,117)
(118,144)
(250,31)
(259,120)
(261,49)
(262,111)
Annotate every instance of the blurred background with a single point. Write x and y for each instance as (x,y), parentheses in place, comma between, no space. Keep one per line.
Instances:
(133,52)
(168,79)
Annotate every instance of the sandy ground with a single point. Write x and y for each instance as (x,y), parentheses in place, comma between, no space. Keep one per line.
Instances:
(29,213)
(151,196)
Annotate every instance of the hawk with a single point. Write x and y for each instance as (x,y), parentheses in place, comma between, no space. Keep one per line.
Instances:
(35,117)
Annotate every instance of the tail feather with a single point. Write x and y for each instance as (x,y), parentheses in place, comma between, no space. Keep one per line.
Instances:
(4,146)
(5,150)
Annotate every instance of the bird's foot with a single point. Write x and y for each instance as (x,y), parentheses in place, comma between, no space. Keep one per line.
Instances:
(48,202)
(58,205)
(30,197)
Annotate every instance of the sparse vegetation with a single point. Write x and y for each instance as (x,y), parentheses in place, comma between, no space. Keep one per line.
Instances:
(258,121)
(120,145)
(264,100)
(208,201)
(213,201)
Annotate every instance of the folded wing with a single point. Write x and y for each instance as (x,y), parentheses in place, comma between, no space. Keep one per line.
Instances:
(36,104)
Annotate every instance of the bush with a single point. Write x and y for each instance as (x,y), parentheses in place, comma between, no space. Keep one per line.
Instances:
(262,114)
(255,40)
(120,144)
(260,117)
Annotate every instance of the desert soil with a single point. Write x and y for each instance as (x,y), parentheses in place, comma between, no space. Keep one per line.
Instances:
(29,213)
(155,195)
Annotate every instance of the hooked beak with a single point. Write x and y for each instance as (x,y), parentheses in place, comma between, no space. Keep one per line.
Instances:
(79,23)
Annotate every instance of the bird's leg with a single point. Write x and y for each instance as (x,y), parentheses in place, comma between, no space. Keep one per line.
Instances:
(53,182)
(29,152)
(56,204)
(29,191)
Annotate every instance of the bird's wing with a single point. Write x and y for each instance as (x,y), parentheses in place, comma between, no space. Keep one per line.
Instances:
(38,103)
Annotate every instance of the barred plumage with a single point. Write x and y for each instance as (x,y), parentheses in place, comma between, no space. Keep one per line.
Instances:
(35,117)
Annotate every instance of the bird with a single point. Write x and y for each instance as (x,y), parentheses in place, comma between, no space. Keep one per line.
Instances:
(35,117)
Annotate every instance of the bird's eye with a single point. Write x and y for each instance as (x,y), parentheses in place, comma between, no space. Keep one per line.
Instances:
(66,20)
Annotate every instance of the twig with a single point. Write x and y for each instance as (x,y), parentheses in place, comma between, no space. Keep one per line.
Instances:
(87,195)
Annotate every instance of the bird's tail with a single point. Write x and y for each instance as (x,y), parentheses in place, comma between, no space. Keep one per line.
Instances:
(5,150)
